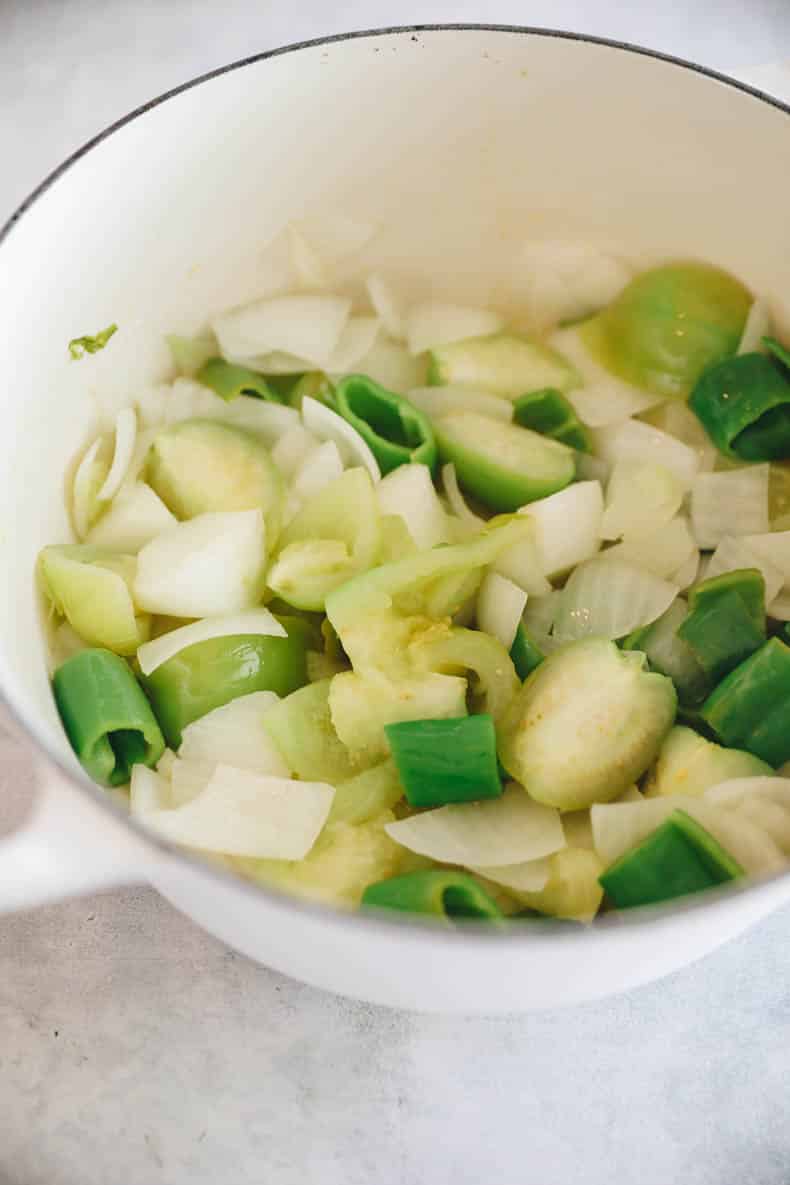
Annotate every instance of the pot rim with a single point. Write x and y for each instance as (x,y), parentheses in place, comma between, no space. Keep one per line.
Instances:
(384,922)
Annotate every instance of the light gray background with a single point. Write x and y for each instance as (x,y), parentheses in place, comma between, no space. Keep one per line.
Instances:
(135,1050)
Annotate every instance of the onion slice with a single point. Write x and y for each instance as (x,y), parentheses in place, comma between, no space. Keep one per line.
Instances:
(307,325)
(608,599)
(234,735)
(529,877)
(500,605)
(456,498)
(125,435)
(255,621)
(409,492)
(328,425)
(356,341)
(633,440)
(734,502)
(733,554)
(386,305)
(439,324)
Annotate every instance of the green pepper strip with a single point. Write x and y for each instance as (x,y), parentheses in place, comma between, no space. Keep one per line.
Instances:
(209,674)
(680,857)
(229,381)
(107,718)
(744,406)
(524,654)
(726,622)
(397,432)
(777,349)
(440,892)
(551,414)
(441,761)
(750,708)
(747,583)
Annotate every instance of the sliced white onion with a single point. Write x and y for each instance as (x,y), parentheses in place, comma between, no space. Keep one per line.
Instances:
(600,405)
(211,565)
(438,401)
(539,617)
(148,791)
(275,362)
(560,280)
(334,234)
(439,324)
(640,498)
(320,467)
(758,324)
(307,325)
(409,492)
(507,830)
(567,525)
(734,502)
(688,573)
(234,734)
(590,468)
(328,425)
(247,814)
(774,549)
(355,343)
(523,564)
(664,552)
(255,621)
(137,515)
(529,877)
(500,604)
(779,607)
(88,480)
(634,440)
(187,400)
(390,364)
(292,449)
(386,305)
(308,266)
(188,779)
(733,554)
(125,435)
(456,499)
(676,419)
(608,599)
(736,790)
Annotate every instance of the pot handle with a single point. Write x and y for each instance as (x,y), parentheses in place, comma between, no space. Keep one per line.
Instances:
(65,846)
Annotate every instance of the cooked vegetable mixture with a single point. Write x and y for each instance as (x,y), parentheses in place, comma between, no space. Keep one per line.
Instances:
(411,607)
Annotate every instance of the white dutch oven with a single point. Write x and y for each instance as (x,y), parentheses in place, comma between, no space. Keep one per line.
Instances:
(460,142)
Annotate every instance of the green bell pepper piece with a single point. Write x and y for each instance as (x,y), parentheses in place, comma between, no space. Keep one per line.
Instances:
(315,385)
(440,892)
(107,718)
(680,857)
(668,654)
(749,709)
(551,414)
(669,325)
(747,583)
(744,406)
(441,761)
(726,620)
(777,349)
(209,674)
(397,432)
(229,381)
(524,654)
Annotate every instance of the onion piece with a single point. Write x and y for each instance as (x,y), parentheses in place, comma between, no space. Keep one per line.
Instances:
(135,517)
(255,621)
(390,364)
(308,266)
(507,830)
(734,502)
(539,617)
(736,790)
(188,779)
(210,565)
(125,434)
(187,400)
(561,280)
(600,405)
(248,814)
(733,554)
(688,573)
(633,440)
(356,341)
(567,525)
(456,499)
(148,791)
(758,324)
(664,552)
(439,324)
(529,877)
(234,734)
(409,492)
(608,599)
(438,401)
(640,498)
(500,604)
(292,450)
(386,305)
(774,549)
(320,467)
(328,425)
(779,607)
(676,419)
(88,480)
(307,325)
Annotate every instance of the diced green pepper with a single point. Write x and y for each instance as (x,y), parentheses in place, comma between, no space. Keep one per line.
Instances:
(524,653)
(780,352)
(397,432)
(751,707)
(441,761)
(550,413)
(209,674)
(744,406)
(747,583)
(437,891)
(670,655)
(107,718)
(721,634)
(230,381)
(680,857)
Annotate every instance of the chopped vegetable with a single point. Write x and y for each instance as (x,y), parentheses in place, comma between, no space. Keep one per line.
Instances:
(640,498)
(396,431)
(500,604)
(304,325)
(477,655)
(438,401)
(586,724)
(689,764)
(234,735)
(550,413)
(441,761)
(92,589)
(721,631)
(678,858)
(664,551)
(524,653)
(107,718)
(354,449)
(409,493)
(137,515)
(230,381)
(748,710)
(302,729)
(502,465)
(367,794)
(80,346)
(609,599)
(501,364)
(190,353)
(206,674)
(436,324)
(744,405)
(669,655)
(738,554)
(440,892)
(572,890)
(633,440)
(733,503)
